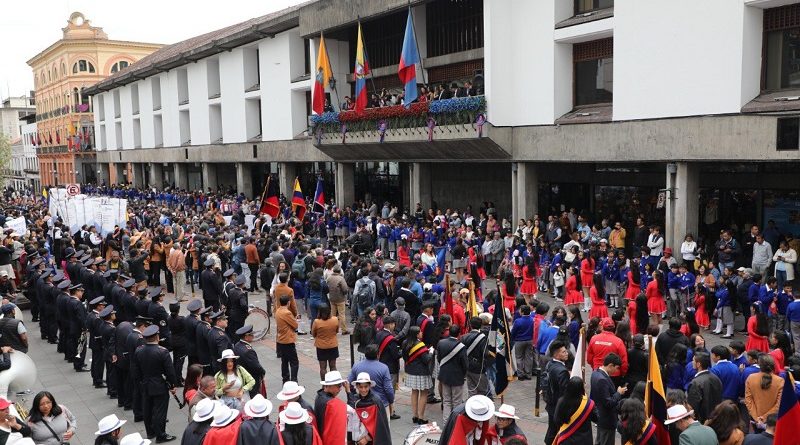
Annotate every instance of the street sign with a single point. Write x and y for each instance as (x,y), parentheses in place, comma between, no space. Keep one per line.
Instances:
(662,198)
(73,189)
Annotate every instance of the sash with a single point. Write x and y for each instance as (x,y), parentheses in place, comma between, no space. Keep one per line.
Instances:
(478,338)
(648,430)
(448,357)
(416,352)
(368,416)
(424,324)
(578,418)
(384,344)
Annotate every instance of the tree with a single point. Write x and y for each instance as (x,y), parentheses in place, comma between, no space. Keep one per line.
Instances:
(5,157)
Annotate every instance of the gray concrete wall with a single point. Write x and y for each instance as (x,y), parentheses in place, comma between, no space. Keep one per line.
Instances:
(325,15)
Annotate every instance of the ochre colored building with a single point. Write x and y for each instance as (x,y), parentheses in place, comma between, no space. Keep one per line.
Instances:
(81,58)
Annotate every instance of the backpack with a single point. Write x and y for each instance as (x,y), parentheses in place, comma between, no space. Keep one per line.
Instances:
(350,277)
(364,295)
(544,383)
(299,266)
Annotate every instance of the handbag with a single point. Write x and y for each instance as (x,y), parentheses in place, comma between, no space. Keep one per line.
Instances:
(59,439)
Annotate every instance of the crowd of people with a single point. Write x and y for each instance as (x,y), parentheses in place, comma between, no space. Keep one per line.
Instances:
(402,283)
(388,98)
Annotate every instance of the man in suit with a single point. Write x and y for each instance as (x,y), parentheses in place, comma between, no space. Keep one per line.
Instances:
(152,366)
(705,390)
(692,431)
(558,376)
(606,398)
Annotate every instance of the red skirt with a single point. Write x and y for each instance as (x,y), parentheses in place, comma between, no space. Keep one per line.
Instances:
(573,297)
(529,286)
(701,316)
(759,344)
(633,291)
(656,305)
(598,310)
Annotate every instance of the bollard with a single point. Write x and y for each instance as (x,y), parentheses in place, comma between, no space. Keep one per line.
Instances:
(352,351)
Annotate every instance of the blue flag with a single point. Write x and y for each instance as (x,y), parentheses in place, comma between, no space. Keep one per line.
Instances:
(409,58)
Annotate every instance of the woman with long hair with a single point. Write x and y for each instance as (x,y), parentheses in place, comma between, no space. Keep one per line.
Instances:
(634,281)
(598,296)
(757,330)
(623,332)
(365,330)
(676,366)
(326,342)
(726,421)
(192,383)
(574,401)
(573,287)
(50,423)
(781,349)
(635,427)
(233,381)
(574,325)
(529,273)
(637,314)
(587,279)
(417,360)
(689,325)
(656,306)
(509,289)
(762,391)
(701,313)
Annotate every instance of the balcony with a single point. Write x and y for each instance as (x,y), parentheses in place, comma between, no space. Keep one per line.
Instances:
(426,130)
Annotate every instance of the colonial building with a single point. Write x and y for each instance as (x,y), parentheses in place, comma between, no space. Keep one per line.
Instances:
(688,115)
(64,112)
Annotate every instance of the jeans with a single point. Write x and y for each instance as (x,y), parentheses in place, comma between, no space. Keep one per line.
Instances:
(289,362)
(781,276)
(313,307)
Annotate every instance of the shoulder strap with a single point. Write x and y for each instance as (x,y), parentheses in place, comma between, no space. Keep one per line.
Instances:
(478,338)
(459,346)
(59,439)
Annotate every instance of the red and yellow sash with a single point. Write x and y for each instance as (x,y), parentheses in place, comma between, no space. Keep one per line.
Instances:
(384,344)
(578,418)
(416,352)
(648,430)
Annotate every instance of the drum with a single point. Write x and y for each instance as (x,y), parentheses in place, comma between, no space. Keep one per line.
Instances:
(428,434)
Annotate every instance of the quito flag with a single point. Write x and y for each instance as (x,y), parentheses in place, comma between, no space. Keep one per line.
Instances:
(655,398)
(270,204)
(504,367)
(323,77)
(448,298)
(298,200)
(788,415)
(360,73)
(409,58)
(319,197)
(472,304)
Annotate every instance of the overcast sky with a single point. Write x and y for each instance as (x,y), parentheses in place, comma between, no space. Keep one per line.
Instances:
(28,27)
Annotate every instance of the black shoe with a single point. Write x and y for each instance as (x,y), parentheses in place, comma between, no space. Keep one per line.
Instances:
(127,408)
(100,385)
(434,399)
(394,417)
(165,438)
(83,370)
(35,320)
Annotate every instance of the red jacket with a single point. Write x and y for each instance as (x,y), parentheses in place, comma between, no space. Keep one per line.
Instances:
(603,344)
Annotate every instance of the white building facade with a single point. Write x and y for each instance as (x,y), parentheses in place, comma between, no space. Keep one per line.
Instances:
(592,104)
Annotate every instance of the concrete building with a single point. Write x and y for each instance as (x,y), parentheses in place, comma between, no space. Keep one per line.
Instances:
(30,160)
(12,110)
(64,112)
(684,112)
(14,175)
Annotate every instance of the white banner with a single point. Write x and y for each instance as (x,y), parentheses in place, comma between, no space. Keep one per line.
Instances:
(250,222)
(17,224)
(99,211)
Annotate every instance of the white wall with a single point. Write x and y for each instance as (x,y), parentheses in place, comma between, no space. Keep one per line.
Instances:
(198,103)
(276,95)
(169,108)
(146,112)
(126,117)
(232,94)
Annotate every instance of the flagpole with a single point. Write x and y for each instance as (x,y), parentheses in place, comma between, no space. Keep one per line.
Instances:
(416,42)
(366,61)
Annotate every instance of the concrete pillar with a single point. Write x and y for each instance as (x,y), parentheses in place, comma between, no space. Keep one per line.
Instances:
(120,171)
(682,204)
(104,173)
(420,185)
(209,176)
(138,175)
(345,183)
(156,175)
(525,190)
(244,179)
(181,172)
(287,172)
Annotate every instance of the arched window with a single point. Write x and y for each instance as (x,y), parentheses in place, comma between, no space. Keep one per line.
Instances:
(63,69)
(119,66)
(83,66)
(76,99)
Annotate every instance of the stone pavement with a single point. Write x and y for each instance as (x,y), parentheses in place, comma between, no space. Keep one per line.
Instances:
(74,390)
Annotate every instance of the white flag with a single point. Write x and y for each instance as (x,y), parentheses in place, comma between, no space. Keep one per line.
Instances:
(577,366)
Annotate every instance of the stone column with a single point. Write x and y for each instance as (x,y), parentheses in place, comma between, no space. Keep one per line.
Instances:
(120,170)
(345,184)
(419,183)
(525,190)
(287,172)
(156,175)
(209,176)
(181,172)
(244,179)
(104,173)
(138,175)
(682,205)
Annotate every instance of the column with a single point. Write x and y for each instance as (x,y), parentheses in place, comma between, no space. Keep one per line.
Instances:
(138,175)
(156,175)
(120,171)
(181,171)
(525,190)
(104,173)
(419,183)
(682,205)
(209,176)
(287,172)
(244,178)
(345,184)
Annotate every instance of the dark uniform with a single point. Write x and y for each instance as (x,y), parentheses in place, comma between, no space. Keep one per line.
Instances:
(248,358)
(108,339)
(238,307)
(77,328)
(143,304)
(211,285)
(93,322)
(202,349)
(159,315)
(178,342)
(31,277)
(152,366)
(132,343)
(127,301)
(62,318)
(218,341)
(190,323)
(123,365)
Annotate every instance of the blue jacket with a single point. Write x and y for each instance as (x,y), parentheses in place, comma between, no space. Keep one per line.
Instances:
(723,299)
(728,373)
(546,336)
(379,373)
(765,296)
(673,280)
(784,300)
(522,330)
(687,281)
(747,372)
(793,311)
(752,292)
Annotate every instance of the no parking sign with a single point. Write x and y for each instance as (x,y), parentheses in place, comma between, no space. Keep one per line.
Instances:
(73,189)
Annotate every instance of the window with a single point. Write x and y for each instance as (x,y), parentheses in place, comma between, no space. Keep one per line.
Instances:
(788,137)
(119,66)
(453,26)
(782,64)
(584,6)
(83,66)
(594,72)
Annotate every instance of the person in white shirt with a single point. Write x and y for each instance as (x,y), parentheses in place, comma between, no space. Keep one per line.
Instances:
(655,242)
(688,251)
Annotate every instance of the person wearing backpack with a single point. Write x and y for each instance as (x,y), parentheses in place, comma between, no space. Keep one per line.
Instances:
(554,380)
(364,291)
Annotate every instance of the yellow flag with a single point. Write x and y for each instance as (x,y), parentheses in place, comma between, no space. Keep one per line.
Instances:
(323,63)
(71,129)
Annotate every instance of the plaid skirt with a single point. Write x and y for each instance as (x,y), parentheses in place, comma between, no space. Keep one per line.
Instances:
(418,382)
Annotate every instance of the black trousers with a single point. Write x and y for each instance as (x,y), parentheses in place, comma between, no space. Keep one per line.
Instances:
(136,397)
(111,379)
(34,299)
(552,428)
(168,278)
(289,362)
(155,414)
(124,388)
(257,387)
(97,367)
(62,340)
(155,273)
(253,276)
(178,358)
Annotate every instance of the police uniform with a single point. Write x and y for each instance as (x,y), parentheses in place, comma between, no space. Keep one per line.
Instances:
(248,359)
(132,343)
(190,323)
(62,318)
(237,307)
(77,327)
(107,333)
(211,285)
(227,286)
(159,315)
(122,365)
(152,366)
(93,322)
(218,341)
(178,342)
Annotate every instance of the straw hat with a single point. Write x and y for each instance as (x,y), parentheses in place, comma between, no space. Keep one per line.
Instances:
(479,408)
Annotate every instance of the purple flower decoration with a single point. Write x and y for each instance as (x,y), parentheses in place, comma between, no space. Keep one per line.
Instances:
(382,127)
(431,124)
(479,121)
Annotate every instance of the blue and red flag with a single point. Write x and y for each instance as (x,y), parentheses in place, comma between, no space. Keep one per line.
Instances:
(360,73)
(409,58)
(319,197)
(298,200)
(788,415)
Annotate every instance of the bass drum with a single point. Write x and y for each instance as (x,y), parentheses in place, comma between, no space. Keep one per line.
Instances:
(20,377)
(260,321)
(424,435)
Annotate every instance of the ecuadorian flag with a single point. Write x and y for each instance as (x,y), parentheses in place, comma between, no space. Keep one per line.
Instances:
(298,200)
(788,415)
(655,398)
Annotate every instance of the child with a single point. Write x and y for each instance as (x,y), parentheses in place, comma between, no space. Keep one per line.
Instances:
(701,314)
(597,295)
(528,288)
(687,281)
(558,283)
(757,329)
(573,287)
(673,288)
(610,271)
(723,311)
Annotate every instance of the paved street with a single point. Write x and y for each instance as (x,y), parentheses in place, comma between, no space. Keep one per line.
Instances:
(74,390)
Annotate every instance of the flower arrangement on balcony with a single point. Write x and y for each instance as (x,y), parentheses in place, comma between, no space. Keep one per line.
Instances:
(457,111)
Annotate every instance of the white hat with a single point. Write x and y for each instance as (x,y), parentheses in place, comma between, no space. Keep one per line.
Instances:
(3,273)
(293,414)
(108,424)
(226,354)
(134,439)
(506,412)
(676,413)
(258,406)
(204,410)
(332,378)
(403,236)
(290,391)
(363,377)
(223,416)
(479,408)
(603,241)
(427,286)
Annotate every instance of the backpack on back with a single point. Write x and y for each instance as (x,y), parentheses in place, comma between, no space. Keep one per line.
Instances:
(364,295)
(299,266)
